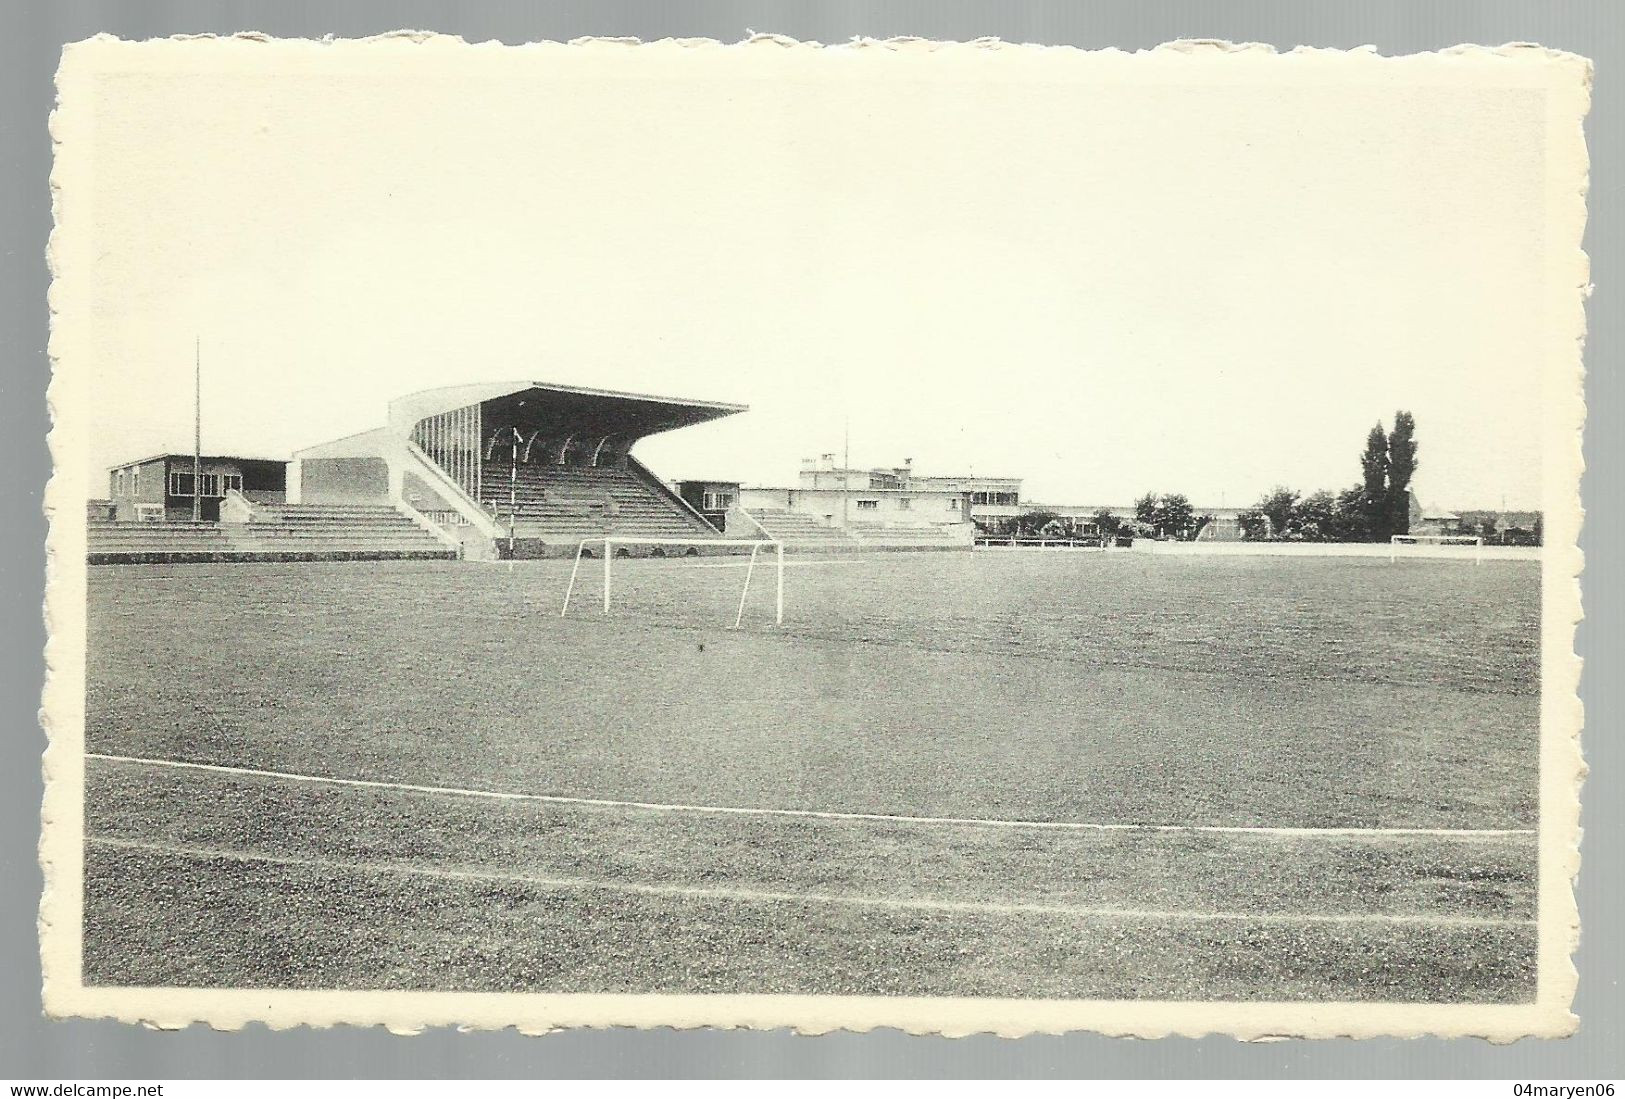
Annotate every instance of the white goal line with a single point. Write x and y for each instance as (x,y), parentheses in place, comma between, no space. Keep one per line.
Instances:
(610,541)
(819,814)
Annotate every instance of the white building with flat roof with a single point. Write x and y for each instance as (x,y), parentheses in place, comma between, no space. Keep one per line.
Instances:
(873,502)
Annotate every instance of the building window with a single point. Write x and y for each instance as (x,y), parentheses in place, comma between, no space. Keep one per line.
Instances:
(868,505)
(118,483)
(717,501)
(904,503)
(953,505)
(135,481)
(210,484)
(180,483)
(232,482)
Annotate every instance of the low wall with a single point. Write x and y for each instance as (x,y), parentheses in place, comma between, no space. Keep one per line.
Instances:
(534,549)
(1334,549)
(196,557)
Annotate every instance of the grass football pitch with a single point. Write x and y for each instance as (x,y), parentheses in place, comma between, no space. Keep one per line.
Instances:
(1060,774)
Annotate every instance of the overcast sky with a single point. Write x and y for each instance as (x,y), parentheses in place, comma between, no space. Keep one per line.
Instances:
(1172,288)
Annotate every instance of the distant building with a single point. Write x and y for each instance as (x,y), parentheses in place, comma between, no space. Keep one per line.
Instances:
(1511,528)
(1223,525)
(984,495)
(1432,521)
(874,499)
(160,488)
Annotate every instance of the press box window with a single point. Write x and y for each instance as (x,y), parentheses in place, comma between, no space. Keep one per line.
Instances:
(233,482)
(718,501)
(868,505)
(180,484)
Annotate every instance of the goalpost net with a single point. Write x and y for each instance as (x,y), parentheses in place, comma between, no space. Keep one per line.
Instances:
(607,546)
(1399,542)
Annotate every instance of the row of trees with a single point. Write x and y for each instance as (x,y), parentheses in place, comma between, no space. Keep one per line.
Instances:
(1167,516)
(1034,524)
(1371,511)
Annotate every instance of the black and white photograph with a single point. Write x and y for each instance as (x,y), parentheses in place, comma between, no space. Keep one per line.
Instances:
(951,536)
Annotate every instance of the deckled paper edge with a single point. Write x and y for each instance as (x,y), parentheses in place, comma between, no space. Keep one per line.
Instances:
(1562,765)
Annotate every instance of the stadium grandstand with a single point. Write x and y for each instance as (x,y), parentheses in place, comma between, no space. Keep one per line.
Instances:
(520,469)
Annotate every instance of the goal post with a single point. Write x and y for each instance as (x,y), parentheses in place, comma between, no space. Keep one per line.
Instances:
(1396,541)
(609,542)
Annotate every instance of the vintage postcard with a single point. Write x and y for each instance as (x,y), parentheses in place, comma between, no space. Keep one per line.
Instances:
(960,537)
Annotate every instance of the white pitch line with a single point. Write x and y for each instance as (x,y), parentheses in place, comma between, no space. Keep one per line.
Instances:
(788,564)
(673,563)
(810,814)
(763,896)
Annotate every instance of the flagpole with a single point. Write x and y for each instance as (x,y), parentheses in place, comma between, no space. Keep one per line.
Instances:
(846,470)
(197,430)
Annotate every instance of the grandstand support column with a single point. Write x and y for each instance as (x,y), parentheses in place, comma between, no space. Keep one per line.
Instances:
(778,608)
(608,557)
(513,488)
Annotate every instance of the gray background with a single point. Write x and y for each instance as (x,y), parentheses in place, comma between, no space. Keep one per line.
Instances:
(31,35)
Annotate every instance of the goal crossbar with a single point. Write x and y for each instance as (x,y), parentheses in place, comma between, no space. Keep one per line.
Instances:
(609,542)
(1463,540)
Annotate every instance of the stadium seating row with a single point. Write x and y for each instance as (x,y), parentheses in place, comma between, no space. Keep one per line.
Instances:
(569,503)
(277,531)
(798,530)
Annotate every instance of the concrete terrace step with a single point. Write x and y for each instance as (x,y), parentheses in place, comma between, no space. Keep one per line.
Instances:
(277,532)
(567,513)
(798,529)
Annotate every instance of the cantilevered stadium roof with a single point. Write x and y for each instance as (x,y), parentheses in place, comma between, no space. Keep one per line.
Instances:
(560,409)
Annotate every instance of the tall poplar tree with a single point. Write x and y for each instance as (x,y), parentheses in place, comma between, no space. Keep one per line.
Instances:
(1374,484)
(1401,467)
